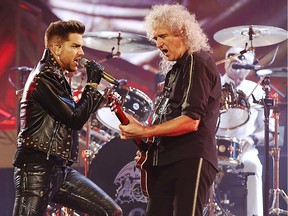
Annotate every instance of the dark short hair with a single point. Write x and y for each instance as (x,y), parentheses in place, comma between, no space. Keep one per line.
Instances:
(62,29)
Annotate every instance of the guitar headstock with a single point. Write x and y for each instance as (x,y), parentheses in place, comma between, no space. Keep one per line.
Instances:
(114,100)
(114,103)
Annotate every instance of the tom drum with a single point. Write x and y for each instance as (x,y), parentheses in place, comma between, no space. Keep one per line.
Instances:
(228,151)
(234,108)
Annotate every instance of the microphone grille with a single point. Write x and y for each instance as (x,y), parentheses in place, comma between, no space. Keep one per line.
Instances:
(83,61)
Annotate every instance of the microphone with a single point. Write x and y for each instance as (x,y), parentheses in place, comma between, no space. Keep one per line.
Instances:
(105,75)
(24,69)
(246,66)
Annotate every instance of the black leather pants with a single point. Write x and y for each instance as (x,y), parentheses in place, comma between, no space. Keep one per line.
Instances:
(38,184)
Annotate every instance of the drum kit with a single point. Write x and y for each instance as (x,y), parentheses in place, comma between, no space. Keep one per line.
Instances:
(234,110)
(103,125)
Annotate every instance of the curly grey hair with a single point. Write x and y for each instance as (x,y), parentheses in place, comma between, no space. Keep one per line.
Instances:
(178,21)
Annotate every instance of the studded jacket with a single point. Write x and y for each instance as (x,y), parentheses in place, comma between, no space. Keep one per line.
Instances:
(49,117)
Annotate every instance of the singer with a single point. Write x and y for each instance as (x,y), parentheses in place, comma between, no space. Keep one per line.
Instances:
(251,133)
(47,144)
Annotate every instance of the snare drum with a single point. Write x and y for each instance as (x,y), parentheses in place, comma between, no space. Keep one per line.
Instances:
(133,102)
(228,150)
(234,108)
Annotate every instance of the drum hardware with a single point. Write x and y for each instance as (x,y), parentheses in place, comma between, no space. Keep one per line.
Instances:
(125,42)
(212,208)
(87,154)
(274,72)
(271,72)
(57,210)
(221,202)
(67,212)
(268,104)
(251,49)
(260,35)
(275,153)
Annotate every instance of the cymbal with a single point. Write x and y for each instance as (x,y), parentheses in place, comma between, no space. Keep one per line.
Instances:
(273,72)
(261,35)
(117,41)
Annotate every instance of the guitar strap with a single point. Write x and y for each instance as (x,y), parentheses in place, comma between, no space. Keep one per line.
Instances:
(163,104)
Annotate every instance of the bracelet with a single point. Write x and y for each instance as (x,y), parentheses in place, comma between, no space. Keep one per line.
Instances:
(254,138)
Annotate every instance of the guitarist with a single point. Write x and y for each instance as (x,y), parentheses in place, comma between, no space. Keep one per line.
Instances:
(184,154)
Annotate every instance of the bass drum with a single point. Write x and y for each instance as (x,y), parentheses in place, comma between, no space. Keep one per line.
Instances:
(113,169)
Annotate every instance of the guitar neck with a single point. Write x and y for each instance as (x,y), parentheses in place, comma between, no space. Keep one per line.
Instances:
(140,144)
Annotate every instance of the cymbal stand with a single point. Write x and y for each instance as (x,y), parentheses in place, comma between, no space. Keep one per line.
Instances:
(275,152)
(110,55)
(87,153)
(213,208)
(113,55)
(267,104)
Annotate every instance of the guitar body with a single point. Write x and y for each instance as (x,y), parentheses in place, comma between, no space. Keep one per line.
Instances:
(145,162)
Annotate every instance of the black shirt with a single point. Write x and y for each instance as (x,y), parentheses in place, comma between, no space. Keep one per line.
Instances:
(195,92)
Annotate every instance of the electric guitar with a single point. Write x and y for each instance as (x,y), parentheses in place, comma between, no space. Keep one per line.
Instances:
(145,162)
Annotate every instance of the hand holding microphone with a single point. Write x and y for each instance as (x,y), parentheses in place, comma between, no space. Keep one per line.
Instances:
(96,71)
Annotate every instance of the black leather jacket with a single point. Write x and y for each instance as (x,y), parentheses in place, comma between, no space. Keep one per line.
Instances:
(49,117)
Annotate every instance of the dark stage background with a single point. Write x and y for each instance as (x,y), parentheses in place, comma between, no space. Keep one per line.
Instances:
(21,42)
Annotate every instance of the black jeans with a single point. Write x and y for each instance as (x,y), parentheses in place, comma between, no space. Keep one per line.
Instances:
(180,189)
(38,184)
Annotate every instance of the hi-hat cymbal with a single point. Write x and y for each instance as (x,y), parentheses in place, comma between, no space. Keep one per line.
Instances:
(274,72)
(118,41)
(260,35)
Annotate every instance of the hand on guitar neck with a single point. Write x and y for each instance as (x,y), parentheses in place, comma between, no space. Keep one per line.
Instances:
(116,108)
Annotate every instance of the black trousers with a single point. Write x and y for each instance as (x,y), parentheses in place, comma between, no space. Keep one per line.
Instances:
(181,188)
(38,184)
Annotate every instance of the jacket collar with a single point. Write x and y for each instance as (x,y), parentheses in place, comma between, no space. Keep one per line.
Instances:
(47,57)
